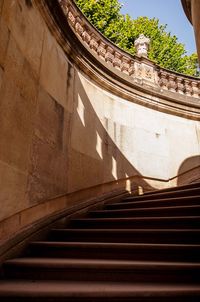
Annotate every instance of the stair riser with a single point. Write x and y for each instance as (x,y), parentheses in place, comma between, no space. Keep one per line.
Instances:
(141,224)
(112,275)
(183,193)
(155,254)
(146,213)
(191,186)
(178,238)
(172,298)
(167,282)
(150,204)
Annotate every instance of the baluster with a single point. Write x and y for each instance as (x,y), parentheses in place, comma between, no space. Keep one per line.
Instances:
(102,50)
(172,85)
(195,89)
(117,60)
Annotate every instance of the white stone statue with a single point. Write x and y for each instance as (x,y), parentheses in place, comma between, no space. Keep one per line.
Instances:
(142,46)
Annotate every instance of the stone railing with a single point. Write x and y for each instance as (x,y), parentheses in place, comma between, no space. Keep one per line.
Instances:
(141,70)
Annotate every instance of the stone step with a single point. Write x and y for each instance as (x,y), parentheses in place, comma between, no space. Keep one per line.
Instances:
(56,291)
(145,248)
(101,270)
(179,236)
(149,212)
(181,201)
(190,222)
(173,189)
(125,251)
(166,194)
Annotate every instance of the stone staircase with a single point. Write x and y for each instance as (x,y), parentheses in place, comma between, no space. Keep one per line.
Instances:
(144,248)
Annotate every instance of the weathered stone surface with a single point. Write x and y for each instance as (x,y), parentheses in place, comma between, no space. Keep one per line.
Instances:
(183,144)
(84,170)
(70,86)
(54,70)
(4,39)
(49,161)
(17,109)
(13,190)
(1,76)
(131,139)
(1,6)
(48,172)
(27,28)
(9,227)
(49,124)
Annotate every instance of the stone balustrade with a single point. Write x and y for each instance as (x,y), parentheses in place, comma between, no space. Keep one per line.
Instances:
(140,69)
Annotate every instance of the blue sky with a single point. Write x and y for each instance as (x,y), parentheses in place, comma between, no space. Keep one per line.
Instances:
(169,12)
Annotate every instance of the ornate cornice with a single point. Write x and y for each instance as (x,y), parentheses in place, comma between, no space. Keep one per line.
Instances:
(143,70)
(135,78)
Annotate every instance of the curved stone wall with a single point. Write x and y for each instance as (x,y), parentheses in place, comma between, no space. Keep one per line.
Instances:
(80,118)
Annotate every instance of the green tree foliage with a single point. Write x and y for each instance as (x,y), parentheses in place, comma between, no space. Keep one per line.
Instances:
(101,13)
(121,29)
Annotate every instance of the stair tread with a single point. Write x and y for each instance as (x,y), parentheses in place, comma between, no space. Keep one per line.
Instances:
(147,209)
(94,289)
(139,200)
(159,193)
(143,266)
(174,189)
(138,218)
(110,230)
(114,244)
(100,263)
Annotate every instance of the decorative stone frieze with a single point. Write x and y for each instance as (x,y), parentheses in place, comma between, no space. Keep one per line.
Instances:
(102,50)
(117,60)
(94,42)
(195,89)
(125,65)
(86,36)
(163,80)
(180,85)
(137,67)
(131,69)
(78,26)
(172,85)
(64,6)
(148,73)
(72,18)
(109,55)
(188,87)
(138,70)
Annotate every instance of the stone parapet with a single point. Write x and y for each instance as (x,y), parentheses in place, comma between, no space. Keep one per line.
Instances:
(140,69)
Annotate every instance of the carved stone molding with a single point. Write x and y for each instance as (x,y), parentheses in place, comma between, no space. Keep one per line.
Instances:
(140,69)
(151,90)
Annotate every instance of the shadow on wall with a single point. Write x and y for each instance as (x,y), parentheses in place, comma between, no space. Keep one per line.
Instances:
(189,171)
(94,157)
